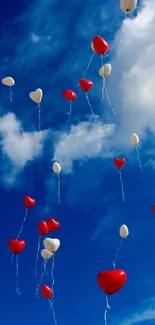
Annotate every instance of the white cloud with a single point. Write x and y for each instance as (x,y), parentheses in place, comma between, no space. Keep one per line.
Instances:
(144,312)
(135,69)
(83,141)
(18,147)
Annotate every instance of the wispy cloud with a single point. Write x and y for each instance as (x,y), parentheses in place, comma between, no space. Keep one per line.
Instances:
(144,312)
(18,147)
(83,141)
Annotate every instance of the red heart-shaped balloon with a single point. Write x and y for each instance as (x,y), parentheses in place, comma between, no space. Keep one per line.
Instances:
(119,162)
(85,84)
(16,246)
(100,45)
(46,291)
(43,228)
(111,281)
(69,94)
(28,202)
(52,224)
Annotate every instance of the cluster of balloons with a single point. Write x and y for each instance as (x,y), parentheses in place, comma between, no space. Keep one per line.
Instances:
(109,281)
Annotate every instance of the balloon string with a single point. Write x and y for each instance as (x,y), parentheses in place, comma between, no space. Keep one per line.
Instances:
(11,94)
(88,101)
(117,253)
(106,310)
(88,65)
(138,156)
(120,51)
(22,226)
(52,274)
(39,117)
(12,257)
(53,311)
(45,265)
(121,181)
(59,188)
(108,99)
(17,274)
(70,108)
(103,87)
(41,278)
(37,255)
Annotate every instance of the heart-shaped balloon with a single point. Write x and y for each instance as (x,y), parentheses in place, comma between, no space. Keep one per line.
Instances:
(43,228)
(51,244)
(69,95)
(16,246)
(52,224)
(111,281)
(85,85)
(100,46)
(36,95)
(46,255)
(8,81)
(46,291)
(28,202)
(119,162)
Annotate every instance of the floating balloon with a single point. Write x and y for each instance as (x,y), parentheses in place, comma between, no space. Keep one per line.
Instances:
(153,208)
(124,231)
(111,281)
(9,82)
(43,230)
(119,163)
(28,202)
(69,95)
(36,96)
(86,85)
(16,247)
(46,255)
(46,291)
(99,46)
(135,141)
(51,244)
(57,170)
(52,224)
(105,72)
(128,5)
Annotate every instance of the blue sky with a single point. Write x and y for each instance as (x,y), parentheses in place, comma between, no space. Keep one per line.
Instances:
(46,44)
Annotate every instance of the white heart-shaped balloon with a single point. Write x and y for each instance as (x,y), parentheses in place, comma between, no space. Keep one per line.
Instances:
(56,168)
(36,95)
(8,81)
(46,255)
(124,231)
(51,244)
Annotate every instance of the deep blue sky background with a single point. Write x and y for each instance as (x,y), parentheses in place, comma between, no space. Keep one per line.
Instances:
(91,210)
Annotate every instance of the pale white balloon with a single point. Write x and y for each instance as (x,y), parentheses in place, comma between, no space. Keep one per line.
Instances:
(105,70)
(124,231)
(56,167)
(128,5)
(134,139)
(8,81)
(46,255)
(36,95)
(51,244)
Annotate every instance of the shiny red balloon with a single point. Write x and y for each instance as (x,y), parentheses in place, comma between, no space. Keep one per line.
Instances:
(43,228)
(100,45)
(46,291)
(119,162)
(52,224)
(111,281)
(85,85)
(16,246)
(28,202)
(69,95)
